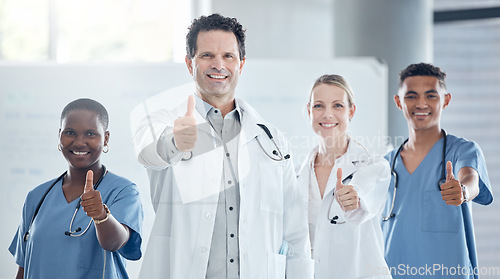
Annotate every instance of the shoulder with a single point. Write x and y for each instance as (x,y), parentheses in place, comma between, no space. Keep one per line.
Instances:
(459,142)
(40,190)
(364,160)
(118,183)
(462,147)
(306,164)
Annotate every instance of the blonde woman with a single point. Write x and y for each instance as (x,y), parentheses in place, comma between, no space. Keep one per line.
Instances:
(347,189)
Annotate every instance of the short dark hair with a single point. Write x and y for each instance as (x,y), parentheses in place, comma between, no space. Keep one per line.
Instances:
(422,69)
(214,22)
(89,105)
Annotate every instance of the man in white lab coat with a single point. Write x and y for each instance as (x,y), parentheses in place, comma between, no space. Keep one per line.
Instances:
(222,182)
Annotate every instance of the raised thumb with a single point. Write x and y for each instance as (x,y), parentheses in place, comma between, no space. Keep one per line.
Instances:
(190,106)
(339,178)
(449,171)
(89,182)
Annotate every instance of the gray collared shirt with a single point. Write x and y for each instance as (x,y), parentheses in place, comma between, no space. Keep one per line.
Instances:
(223,261)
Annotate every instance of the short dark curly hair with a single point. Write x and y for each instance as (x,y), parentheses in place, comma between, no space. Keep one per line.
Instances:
(214,22)
(422,69)
(89,105)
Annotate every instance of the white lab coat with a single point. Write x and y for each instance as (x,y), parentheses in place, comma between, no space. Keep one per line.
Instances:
(185,195)
(354,249)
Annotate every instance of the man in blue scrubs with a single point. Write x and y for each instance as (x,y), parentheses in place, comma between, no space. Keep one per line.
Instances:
(428,230)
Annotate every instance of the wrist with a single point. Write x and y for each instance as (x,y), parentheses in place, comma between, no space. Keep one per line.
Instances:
(105,218)
(465,193)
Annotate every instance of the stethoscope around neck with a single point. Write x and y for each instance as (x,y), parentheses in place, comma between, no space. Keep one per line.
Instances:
(393,172)
(70,232)
(278,156)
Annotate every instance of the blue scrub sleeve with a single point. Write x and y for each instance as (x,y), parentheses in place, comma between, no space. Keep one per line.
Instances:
(469,154)
(127,209)
(18,246)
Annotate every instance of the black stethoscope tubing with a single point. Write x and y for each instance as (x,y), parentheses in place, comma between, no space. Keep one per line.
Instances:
(26,235)
(395,174)
(277,151)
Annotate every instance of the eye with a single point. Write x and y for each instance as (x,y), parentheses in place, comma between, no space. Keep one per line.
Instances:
(338,105)
(317,106)
(205,55)
(229,55)
(68,133)
(432,96)
(410,97)
(91,134)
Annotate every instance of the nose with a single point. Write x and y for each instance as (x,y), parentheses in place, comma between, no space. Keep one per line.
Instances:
(80,141)
(218,63)
(421,103)
(328,113)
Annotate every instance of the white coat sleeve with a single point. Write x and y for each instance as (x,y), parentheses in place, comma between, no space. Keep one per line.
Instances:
(153,141)
(371,182)
(299,264)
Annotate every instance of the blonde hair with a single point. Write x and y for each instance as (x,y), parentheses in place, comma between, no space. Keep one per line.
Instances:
(335,80)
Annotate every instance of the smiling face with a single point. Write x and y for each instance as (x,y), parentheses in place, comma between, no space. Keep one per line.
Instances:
(82,138)
(216,65)
(422,99)
(329,111)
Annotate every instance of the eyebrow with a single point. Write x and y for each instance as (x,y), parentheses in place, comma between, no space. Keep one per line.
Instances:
(426,92)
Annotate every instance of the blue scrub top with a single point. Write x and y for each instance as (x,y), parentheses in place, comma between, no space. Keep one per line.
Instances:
(49,253)
(428,238)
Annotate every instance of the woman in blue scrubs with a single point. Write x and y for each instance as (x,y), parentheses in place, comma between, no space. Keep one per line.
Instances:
(86,222)
(428,223)
(347,188)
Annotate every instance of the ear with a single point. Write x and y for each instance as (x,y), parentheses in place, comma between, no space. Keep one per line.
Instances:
(397,100)
(352,110)
(189,64)
(447,99)
(106,138)
(242,62)
(308,107)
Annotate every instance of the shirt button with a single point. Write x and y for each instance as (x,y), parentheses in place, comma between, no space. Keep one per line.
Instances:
(231,260)
(231,208)
(208,215)
(203,249)
(232,235)
(229,182)
(216,111)
(227,154)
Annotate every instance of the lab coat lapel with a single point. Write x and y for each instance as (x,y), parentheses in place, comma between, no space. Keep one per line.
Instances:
(249,128)
(348,163)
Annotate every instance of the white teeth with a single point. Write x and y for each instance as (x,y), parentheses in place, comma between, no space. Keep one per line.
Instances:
(328,125)
(421,113)
(217,77)
(79,153)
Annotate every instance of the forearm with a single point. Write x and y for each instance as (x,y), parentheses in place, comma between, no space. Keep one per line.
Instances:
(20,273)
(470,179)
(112,235)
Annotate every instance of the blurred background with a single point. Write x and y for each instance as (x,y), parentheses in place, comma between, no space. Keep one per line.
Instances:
(123,52)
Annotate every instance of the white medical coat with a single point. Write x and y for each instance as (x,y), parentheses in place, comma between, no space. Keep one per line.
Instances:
(354,249)
(185,196)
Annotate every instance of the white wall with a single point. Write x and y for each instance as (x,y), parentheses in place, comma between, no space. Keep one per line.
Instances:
(33,95)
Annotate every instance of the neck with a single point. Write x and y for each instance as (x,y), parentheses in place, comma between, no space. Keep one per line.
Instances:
(330,149)
(422,139)
(77,177)
(224,103)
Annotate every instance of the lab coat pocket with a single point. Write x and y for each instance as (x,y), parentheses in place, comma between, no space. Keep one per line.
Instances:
(271,187)
(276,265)
(437,216)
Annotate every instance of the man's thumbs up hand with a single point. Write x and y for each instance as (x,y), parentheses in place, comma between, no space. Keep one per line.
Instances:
(451,190)
(185,129)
